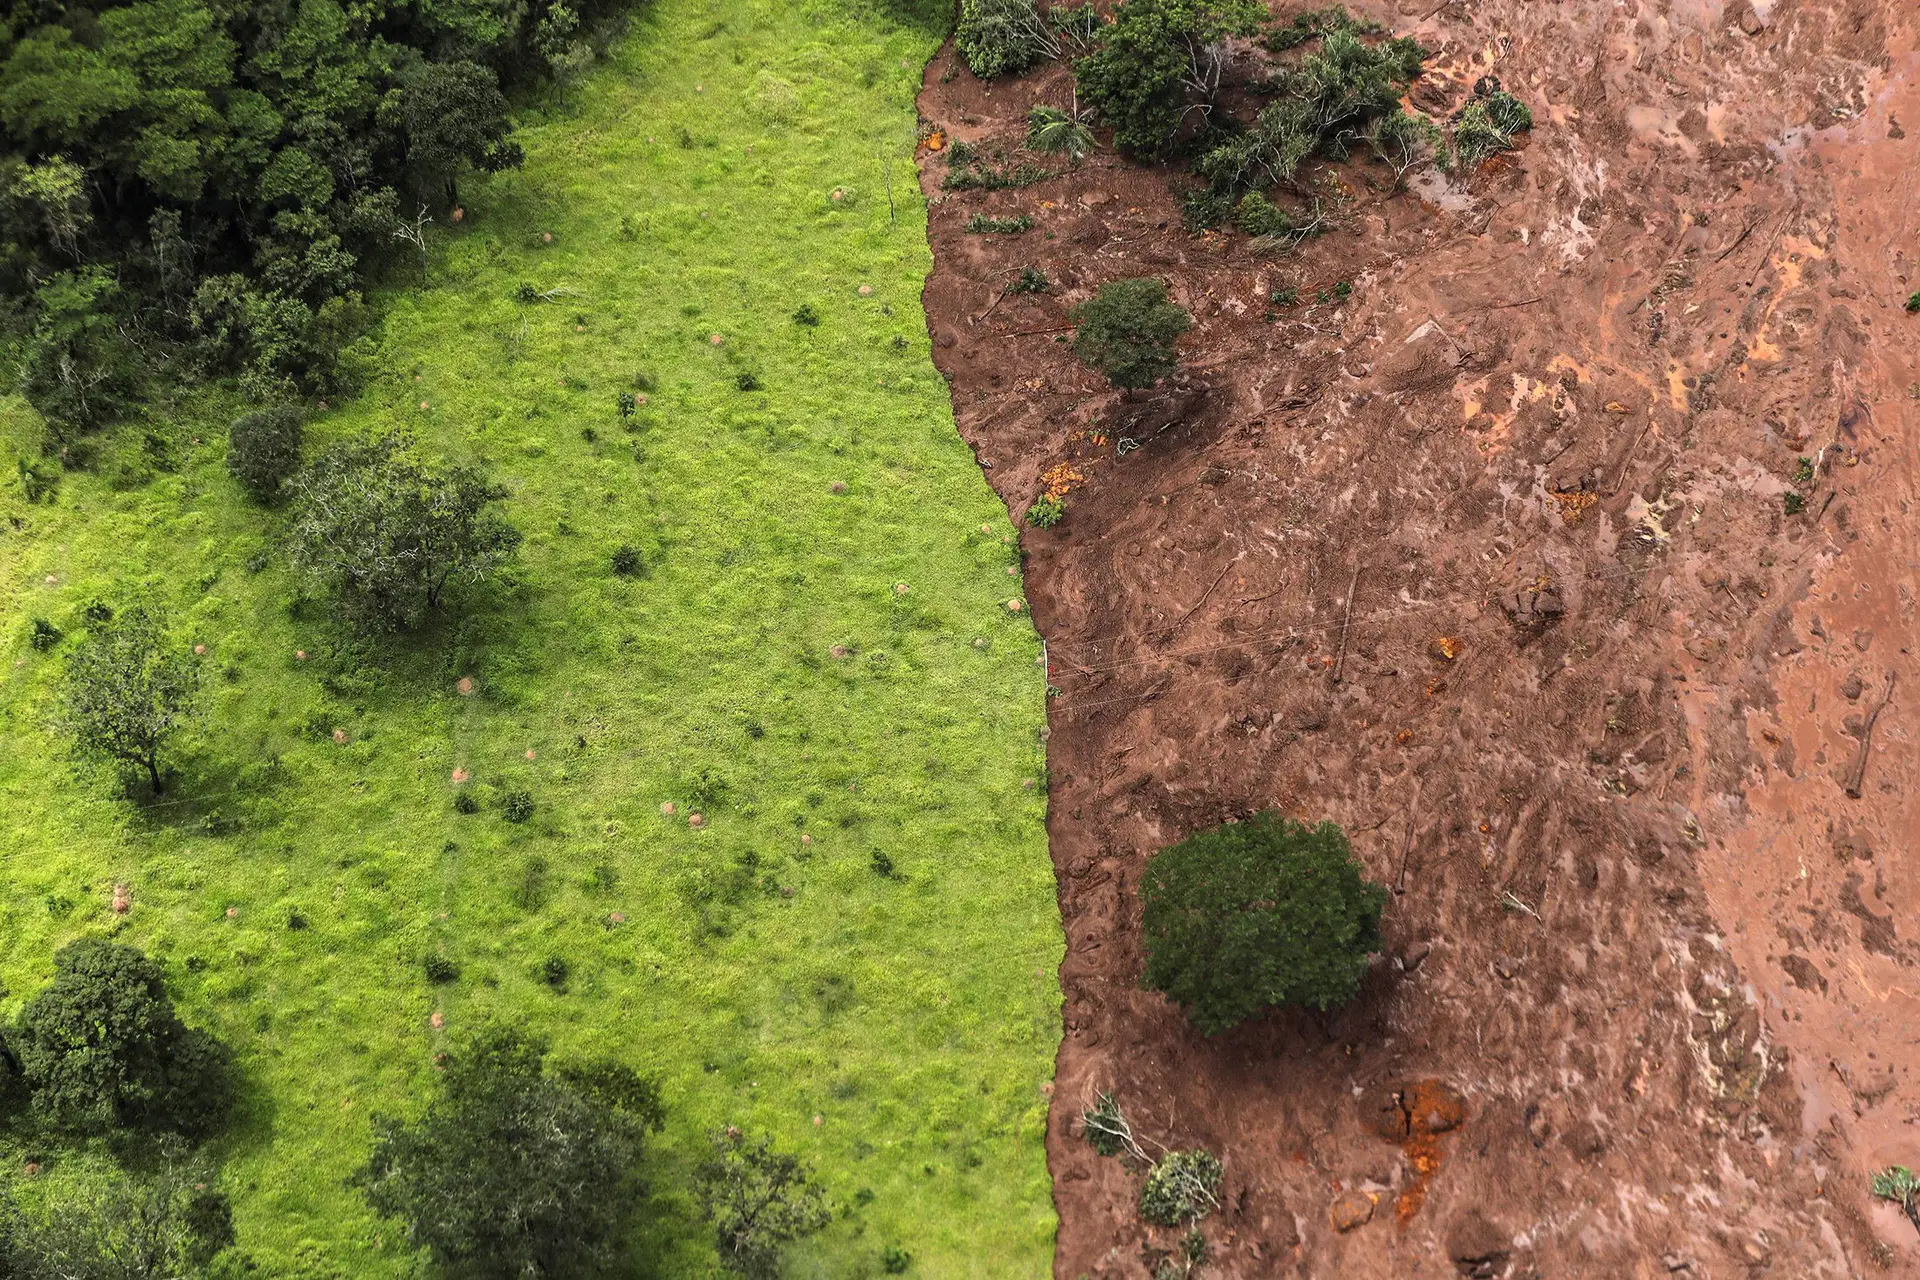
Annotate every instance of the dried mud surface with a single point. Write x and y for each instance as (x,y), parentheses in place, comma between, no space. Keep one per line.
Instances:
(1490,563)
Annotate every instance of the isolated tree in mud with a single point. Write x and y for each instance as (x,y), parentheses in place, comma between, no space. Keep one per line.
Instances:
(1256,914)
(128,689)
(1127,331)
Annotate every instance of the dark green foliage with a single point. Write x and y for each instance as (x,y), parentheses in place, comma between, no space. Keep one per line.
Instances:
(1106,1129)
(882,865)
(164,1227)
(38,479)
(1051,129)
(1913,303)
(1181,1187)
(231,172)
(1259,216)
(985,224)
(894,1260)
(1488,123)
(387,534)
(263,449)
(747,382)
(1127,330)
(43,635)
(517,806)
(625,404)
(1047,511)
(806,315)
(464,803)
(981,177)
(515,1170)
(626,560)
(439,969)
(1203,208)
(128,688)
(554,971)
(1032,280)
(1156,60)
(102,1049)
(1257,914)
(758,1201)
(1794,503)
(1285,297)
(1315,23)
(1002,37)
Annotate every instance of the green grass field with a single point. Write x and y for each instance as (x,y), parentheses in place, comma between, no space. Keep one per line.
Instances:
(822,674)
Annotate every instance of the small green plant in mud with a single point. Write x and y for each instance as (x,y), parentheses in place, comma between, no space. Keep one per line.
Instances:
(1794,502)
(1488,123)
(1183,1187)
(1032,280)
(1897,1184)
(1047,512)
(1913,303)
(1056,130)
(987,225)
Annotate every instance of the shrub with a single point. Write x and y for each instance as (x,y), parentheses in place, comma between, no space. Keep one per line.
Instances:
(1487,123)
(513,1169)
(464,802)
(439,969)
(758,1200)
(894,1260)
(388,535)
(1157,56)
(626,560)
(1183,1187)
(1794,503)
(1032,280)
(1898,1185)
(747,382)
(806,315)
(43,635)
(986,178)
(1051,129)
(128,688)
(125,1228)
(554,971)
(1257,914)
(263,450)
(983,224)
(1047,511)
(882,865)
(1002,37)
(516,806)
(1203,209)
(102,1049)
(626,404)
(1913,305)
(1107,1130)
(1127,330)
(1259,216)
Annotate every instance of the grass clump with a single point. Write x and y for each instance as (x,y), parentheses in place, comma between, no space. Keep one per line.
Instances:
(988,225)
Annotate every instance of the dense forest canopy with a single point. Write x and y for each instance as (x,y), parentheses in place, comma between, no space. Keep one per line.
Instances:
(203,185)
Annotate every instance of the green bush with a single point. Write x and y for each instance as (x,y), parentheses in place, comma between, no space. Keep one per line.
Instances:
(44,636)
(439,969)
(171,1224)
(128,688)
(1002,37)
(1032,280)
(626,560)
(1155,59)
(513,1169)
(758,1200)
(1127,331)
(1251,915)
(263,450)
(1054,130)
(101,1049)
(1182,1187)
(1487,123)
(1259,216)
(516,806)
(984,224)
(1047,511)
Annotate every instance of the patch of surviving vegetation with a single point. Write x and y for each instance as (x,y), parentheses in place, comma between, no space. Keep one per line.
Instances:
(499,624)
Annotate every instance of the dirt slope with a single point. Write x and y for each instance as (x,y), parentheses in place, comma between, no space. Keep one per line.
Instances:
(1491,563)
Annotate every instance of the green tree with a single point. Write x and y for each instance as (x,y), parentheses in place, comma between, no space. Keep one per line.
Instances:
(514,1170)
(1251,915)
(388,535)
(759,1200)
(101,1048)
(456,116)
(263,449)
(1157,60)
(128,689)
(165,1227)
(1003,37)
(1127,331)
(79,369)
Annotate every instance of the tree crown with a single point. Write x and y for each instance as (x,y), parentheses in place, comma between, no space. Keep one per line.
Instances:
(1127,331)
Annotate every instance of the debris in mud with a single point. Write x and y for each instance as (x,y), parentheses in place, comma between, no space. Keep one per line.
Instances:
(1534,606)
(1350,1211)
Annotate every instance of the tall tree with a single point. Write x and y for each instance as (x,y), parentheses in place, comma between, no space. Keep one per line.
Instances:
(128,689)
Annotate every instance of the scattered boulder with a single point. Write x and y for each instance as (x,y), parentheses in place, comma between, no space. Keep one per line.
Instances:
(1350,1211)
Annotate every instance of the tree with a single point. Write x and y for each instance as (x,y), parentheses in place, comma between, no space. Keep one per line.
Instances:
(1003,37)
(1159,59)
(128,689)
(1126,331)
(163,1227)
(388,534)
(456,116)
(758,1201)
(514,1170)
(1256,914)
(101,1048)
(263,449)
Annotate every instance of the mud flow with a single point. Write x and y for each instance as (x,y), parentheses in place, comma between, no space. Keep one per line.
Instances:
(1490,557)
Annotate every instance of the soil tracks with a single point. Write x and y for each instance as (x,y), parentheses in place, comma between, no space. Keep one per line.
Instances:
(1491,562)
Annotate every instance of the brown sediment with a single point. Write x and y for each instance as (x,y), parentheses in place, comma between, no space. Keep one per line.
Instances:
(1490,563)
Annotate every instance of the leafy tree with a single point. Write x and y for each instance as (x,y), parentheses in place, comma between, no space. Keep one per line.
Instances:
(758,1200)
(456,116)
(78,366)
(165,1227)
(1127,330)
(128,689)
(101,1048)
(1182,1186)
(263,449)
(1003,37)
(515,1170)
(1159,59)
(389,534)
(1256,914)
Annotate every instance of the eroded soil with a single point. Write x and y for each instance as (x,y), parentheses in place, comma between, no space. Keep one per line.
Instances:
(1490,561)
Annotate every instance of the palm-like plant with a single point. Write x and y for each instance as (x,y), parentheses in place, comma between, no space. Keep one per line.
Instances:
(1051,129)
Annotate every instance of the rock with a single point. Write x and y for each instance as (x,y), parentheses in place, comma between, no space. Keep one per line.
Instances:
(1350,1210)
(1414,956)
(1750,22)
(1674,1262)
(1477,1246)
(1852,687)
(1862,639)
(1754,1253)
(1804,973)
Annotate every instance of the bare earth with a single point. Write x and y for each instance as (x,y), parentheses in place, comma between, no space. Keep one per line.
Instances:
(1490,563)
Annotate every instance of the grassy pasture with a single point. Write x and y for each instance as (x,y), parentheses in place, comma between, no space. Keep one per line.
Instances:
(817,657)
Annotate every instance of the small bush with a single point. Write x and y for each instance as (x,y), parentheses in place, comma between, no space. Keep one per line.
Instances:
(263,450)
(1047,512)
(758,1200)
(464,802)
(894,1260)
(516,806)
(882,865)
(747,382)
(1002,37)
(1183,1187)
(1488,123)
(554,971)
(1127,330)
(1285,297)
(806,315)
(986,225)
(1913,303)
(1106,1129)
(626,560)
(44,635)
(1795,503)
(1203,209)
(983,178)
(626,404)
(1032,280)
(1259,216)
(439,969)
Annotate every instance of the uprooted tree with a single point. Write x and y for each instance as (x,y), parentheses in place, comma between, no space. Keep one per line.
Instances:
(1257,914)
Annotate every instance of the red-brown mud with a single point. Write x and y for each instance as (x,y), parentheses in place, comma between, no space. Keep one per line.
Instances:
(1490,562)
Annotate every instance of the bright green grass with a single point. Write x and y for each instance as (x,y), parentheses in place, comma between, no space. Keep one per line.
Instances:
(917,1017)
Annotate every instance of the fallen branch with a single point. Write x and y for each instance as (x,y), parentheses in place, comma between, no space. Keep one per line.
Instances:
(1346,623)
(1182,621)
(1858,774)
